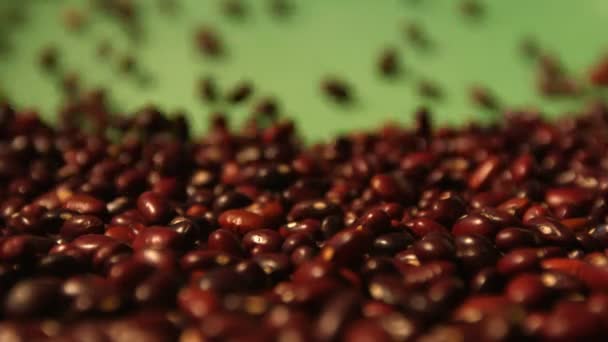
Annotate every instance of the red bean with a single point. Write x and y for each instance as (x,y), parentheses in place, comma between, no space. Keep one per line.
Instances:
(85,204)
(80,225)
(484,172)
(157,237)
(226,241)
(519,260)
(422,226)
(475,224)
(153,207)
(346,247)
(553,232)
(262,241)
(528,290)
(512,237)
(573,196)
(241,221)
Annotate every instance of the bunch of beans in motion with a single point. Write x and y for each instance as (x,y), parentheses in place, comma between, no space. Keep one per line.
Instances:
(127,229)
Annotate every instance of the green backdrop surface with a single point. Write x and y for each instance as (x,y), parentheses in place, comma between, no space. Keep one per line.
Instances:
(288,57)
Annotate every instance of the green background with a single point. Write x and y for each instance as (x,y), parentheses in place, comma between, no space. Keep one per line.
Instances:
(288,57)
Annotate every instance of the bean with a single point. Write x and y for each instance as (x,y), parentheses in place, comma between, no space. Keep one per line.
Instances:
(262,241)
(241,221)
(528,290)
(85,204)
(553,232)
(153,207)
(157,237)
(226,241)
(78,225)
(391,243)
(346,247)
(34,298)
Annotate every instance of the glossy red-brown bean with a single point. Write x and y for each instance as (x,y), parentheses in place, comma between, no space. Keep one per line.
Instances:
(422,226)
(481,176)
(314,209)
(153,207)
(157,237)
(124,234)
(80,225)
(513,237)
(310,227)
(302,254)
(391,188)
(391,243)
(241,221)
(346,247)
(427,273)
(519,260)
(447,209)
(295,240)
(475,224)
(594,277)
(475,252)
(434,246)
(226,241)
(231,200)
(568,195)
(262,241)
(276,265)
(553,232)
(85,204)
(535,211)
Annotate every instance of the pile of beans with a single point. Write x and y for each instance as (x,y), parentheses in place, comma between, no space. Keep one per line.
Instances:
(126,229)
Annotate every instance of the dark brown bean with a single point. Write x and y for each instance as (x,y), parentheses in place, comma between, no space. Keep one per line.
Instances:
(337,90)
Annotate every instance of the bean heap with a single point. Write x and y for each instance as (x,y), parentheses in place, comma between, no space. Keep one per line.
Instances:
(126,229)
